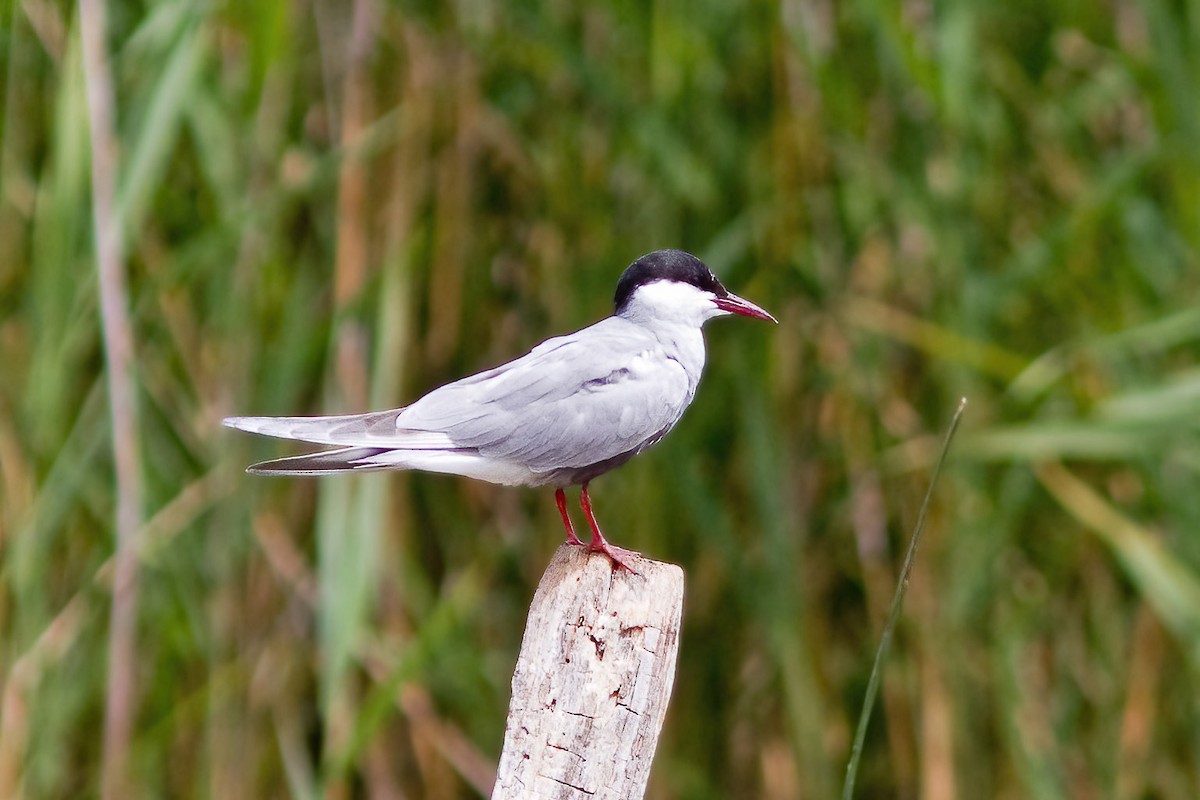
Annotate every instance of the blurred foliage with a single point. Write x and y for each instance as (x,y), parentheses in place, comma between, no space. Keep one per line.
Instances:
(330,207)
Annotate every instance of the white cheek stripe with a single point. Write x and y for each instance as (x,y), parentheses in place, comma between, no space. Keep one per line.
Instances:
(665,301)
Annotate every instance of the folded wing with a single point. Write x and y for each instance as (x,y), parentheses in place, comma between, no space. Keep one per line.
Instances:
(572,402)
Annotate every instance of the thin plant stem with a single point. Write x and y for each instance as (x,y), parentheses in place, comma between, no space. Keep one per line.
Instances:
(893,616)
(118,349)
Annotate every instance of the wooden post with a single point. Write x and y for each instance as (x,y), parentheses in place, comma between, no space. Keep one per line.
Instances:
(592,682)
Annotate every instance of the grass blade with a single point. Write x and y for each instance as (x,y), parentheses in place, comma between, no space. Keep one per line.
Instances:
(860,733)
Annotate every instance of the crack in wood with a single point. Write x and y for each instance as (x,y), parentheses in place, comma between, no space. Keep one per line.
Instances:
(569,785)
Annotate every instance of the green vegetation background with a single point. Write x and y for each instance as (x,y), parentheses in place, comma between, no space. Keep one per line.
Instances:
(332,207)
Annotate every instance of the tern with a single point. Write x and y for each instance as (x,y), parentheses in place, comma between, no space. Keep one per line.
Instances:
(573,408)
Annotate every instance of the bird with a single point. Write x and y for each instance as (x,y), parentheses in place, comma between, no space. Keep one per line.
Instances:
(571,409)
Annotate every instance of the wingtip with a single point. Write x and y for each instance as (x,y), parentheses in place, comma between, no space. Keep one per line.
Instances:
(274,466)
(276,473)
(246,424)
(270,468)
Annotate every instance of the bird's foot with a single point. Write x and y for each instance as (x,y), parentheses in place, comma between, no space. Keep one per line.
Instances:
(620,557)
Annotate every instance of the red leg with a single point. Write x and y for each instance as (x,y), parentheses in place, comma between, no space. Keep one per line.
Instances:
(561,498)
(619,555)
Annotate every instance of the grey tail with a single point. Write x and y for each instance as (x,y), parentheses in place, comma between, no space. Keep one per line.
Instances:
(325,462)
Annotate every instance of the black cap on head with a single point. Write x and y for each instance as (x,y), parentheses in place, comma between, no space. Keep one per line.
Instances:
(668,265)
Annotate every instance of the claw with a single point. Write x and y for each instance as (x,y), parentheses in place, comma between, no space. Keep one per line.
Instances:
(618,555)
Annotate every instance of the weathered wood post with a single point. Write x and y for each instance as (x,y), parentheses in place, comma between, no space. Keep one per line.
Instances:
(593,679)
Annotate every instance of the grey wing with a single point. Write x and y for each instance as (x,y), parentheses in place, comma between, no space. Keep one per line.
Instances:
(572,402)
(376,429)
